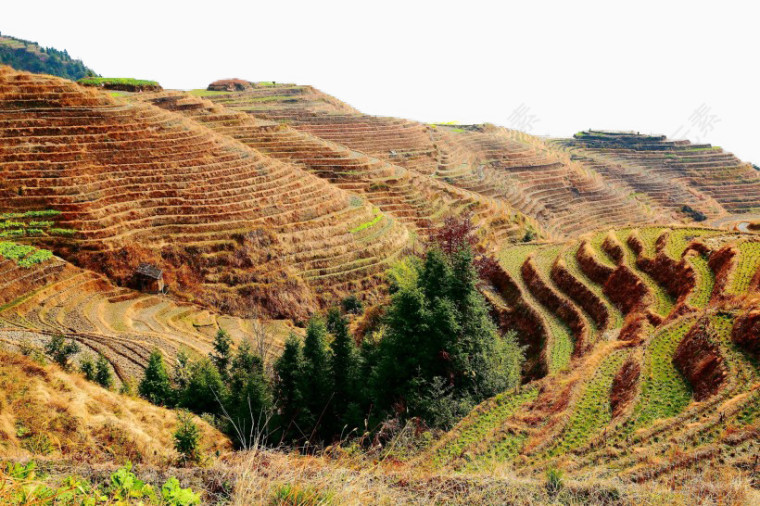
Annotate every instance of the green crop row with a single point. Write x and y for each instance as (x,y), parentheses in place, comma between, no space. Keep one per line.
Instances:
(663,302)
(679,239)
(664,391)
(593,411)
(23,255)
(705,281)
(368,224)
(561,341)
(601,255)
(571,262)
(649,237)
(484,423)
(748,265)
(43,213)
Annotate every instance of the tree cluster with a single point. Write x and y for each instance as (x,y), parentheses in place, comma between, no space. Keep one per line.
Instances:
(433,355)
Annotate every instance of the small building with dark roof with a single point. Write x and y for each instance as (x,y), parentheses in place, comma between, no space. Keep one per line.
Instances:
(149,278)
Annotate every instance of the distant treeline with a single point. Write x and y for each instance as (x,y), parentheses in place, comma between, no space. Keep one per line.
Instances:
(29,56)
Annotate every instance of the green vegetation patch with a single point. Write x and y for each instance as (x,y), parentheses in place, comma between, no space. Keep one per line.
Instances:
(111,81)
(664,391)
(679,239)
(480,424)
(593,411)
(25,256)
(748,265)
(368,224)
(561,340)
(705,281)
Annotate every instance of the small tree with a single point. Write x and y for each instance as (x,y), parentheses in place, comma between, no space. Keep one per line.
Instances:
(222,355)
(187,437)
(61,351)
(182,371)
(103,375)
(87,367)
(155,385)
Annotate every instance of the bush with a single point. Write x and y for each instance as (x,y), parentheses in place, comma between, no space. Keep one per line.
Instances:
(554,481)
(187,437)
(87,367)
(352,304)
(61,351)
(103,376)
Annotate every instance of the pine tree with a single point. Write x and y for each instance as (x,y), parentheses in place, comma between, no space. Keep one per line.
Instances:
(206,390)
(315,382)
(87,367)
(155,385)
(222,355)
(249,404)
(103,375)
(288,372)
(343,369)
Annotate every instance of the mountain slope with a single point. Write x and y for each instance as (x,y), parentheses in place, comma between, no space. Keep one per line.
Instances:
(230,227)
(29,56)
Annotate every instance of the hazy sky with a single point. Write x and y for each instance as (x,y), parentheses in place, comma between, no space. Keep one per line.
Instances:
(551,68)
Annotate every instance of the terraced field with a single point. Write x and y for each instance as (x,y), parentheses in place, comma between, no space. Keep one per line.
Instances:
(231,227)
(124,325)
(660,390)
(416,199)
(672,173)
(539,179)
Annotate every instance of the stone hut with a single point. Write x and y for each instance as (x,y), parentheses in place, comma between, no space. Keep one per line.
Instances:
(149,278)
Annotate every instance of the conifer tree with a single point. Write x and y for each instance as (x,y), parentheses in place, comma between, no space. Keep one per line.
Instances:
(288,371)
(103,375)
(315,380)
(222,355)
(343,370)
(155,386)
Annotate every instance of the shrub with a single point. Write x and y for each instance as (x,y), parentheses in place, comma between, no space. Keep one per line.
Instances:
(103,376)
(87,367)
(187,437)
(554,481)
(61,351)
(352,304)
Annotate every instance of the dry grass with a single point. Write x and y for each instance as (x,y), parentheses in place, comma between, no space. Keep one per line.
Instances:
(264,477)
(47,413)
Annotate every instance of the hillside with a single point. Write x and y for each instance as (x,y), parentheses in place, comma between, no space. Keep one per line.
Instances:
(231,227)
(648,339)
(628,266)
(31,57)
(47,413)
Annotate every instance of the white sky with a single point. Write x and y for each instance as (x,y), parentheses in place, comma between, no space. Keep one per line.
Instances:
(563,66)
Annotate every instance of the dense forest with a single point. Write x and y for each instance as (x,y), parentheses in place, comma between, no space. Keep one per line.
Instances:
(30,56)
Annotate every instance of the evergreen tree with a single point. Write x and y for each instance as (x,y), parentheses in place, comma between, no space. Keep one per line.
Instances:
(315,380)
(87,367)
(181,375)
(249,404)
(442,354)
(61,351)
(288,371)
(205,389)
(103,375)
(155,385)
(222,355)
(343,370)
